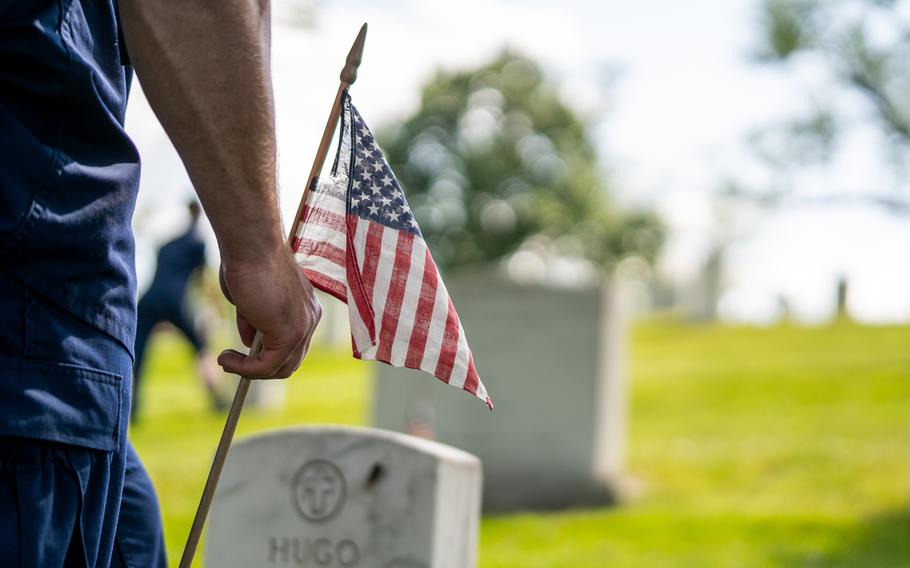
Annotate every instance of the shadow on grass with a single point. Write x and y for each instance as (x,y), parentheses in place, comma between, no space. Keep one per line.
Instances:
(879,541)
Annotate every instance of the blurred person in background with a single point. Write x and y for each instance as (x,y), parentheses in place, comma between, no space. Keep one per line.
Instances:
(166,301)
(72,490)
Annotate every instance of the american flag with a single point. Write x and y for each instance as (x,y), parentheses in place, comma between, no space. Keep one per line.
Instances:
(359,241)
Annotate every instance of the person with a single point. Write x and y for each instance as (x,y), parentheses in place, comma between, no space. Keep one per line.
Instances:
(72,489)
(165,301)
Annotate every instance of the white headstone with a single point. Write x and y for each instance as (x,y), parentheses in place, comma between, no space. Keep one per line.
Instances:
(553,362)
(332,496)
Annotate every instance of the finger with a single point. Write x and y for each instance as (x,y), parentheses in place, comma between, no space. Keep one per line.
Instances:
(265,365)
(296,359)
(250,367)
(231,361)
(246,330)
(291,365)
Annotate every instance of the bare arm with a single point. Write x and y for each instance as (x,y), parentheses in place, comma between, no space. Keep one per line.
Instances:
(204,67)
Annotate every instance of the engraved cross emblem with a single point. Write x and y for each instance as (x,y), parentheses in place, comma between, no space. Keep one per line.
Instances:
(319,485)
(318,490)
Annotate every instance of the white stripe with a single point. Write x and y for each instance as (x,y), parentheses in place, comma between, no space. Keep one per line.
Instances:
(319,234)
(383,275)
(331,195)
(324,199)
(436,332)
(460,367)
(360,242)
(322,266)
(359,331)
(323,234)
(481,391)
(409,302)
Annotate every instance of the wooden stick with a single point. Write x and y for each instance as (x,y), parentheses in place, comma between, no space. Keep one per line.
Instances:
(348,76)
(224,445)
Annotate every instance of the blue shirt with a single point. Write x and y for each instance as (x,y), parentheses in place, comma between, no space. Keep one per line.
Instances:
(69,175)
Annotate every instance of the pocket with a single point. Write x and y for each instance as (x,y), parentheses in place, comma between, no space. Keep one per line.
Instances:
(59,402)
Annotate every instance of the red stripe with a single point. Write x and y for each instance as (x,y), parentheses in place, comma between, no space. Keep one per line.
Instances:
(356,352)
(355,285)
(472,380)
(323,217)
(424,316)
(371,253)
(360,301)
(395,295)
(327,285)
(322,249)
(449,346)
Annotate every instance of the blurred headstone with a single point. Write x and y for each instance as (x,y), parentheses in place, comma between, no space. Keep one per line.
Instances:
(267,395)
(342,496)
(553,361)
(842,289)
(711,285)
(334,331)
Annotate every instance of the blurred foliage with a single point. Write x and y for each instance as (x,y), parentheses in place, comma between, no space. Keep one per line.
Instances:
(493,158)
(789,27)
(812,138)
(863,44)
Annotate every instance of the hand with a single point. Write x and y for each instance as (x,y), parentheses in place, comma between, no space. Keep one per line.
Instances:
(275,298)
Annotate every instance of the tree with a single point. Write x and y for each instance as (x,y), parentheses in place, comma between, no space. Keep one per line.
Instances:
(864,47)
(865,43)
(493,158)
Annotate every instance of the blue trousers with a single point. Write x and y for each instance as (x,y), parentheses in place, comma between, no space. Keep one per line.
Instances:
(73,492)
(58,502)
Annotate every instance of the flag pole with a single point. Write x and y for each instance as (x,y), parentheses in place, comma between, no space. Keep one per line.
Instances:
(348,76)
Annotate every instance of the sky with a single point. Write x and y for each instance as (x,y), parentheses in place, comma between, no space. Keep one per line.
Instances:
(671,92)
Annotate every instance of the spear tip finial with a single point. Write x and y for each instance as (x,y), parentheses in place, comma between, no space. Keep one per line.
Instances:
(349,73)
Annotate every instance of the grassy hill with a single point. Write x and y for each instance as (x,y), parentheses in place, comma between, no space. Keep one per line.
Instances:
(753,447)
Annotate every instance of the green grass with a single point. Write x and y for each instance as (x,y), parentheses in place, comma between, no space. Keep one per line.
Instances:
(754,447)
